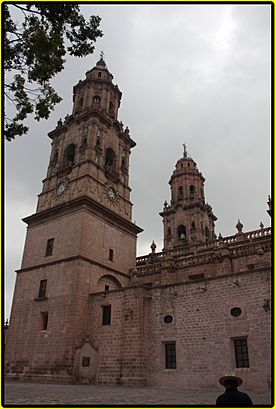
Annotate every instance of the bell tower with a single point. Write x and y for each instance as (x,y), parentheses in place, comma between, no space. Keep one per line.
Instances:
(81,240)
(187,219)
(91,149)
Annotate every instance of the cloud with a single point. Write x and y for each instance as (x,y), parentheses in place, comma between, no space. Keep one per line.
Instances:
(194,73)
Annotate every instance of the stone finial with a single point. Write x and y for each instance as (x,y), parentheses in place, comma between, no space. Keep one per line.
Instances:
(239,226)
(165,204)
(261,226)
(59,122)
(153,247)
(220,238)
(127,131)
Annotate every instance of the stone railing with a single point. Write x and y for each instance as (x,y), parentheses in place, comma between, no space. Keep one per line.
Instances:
(150,258)
(148,269)
(196,259)
(254,234)
(238,244)
(258,233)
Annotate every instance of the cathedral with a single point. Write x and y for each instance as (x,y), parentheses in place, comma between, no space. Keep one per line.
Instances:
(87,310)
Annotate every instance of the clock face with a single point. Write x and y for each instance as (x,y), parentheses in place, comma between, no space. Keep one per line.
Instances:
(60,189)
(111,193)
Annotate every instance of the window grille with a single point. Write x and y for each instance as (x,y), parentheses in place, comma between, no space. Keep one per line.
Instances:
(241,353)
(86,361)
(42,289)
(170,353)
(106,315)
(111,254)
(44,321)
(49,247)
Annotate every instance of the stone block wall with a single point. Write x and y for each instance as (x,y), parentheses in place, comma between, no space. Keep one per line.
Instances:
(204,331)
(120,345)
(31,351)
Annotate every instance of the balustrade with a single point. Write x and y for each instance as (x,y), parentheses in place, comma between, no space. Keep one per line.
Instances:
(182,255)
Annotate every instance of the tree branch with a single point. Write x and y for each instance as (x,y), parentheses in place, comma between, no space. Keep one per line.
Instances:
(29,11)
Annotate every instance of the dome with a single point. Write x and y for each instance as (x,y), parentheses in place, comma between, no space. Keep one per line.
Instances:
(101,63)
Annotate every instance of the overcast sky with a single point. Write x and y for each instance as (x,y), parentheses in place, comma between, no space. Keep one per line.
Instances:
(194,73)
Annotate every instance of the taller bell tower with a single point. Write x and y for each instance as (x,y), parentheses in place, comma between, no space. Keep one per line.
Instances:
(90,149)
(188,219)
(81,240)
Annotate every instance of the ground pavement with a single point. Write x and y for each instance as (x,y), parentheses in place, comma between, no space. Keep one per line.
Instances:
(27,393)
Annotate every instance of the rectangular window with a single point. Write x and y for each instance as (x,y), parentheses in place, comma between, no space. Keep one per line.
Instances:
(111,254)
(42,289)
(241,353)
(44,320)
(49,247)
(106,314)
(86,361)
(170,354)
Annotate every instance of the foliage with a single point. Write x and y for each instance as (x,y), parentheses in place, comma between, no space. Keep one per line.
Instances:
(34,52)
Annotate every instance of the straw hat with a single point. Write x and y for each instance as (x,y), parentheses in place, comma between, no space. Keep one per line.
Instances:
(230,376)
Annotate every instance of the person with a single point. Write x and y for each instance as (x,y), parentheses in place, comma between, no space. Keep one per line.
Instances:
(232,397)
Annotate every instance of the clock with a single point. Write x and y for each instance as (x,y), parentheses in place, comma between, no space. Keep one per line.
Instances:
(111,193)
(60,189)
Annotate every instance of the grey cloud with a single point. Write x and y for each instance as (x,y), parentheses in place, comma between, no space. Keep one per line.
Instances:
(195,73)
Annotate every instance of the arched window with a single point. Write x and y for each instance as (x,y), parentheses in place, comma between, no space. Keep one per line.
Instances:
(96,99)
(54,158)
(108,281)
(98,141)
(110,159)
(123,165)
(192,190)
(81,102)
(207,234)
(181,232)
(180,191)
(69,154)
(169,231)
(111,107)
(84,141)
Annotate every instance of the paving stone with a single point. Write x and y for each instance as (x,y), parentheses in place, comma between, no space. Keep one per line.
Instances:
(25,393)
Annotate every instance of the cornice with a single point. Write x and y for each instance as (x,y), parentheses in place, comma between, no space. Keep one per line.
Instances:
(68,260)
(88,204)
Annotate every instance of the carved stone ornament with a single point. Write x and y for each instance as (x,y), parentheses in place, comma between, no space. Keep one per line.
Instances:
(61,188)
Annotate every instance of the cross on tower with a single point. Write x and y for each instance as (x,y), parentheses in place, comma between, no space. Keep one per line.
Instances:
(185,153)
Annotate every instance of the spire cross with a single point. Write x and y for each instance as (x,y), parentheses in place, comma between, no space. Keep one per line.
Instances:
(185,150)
(102,55)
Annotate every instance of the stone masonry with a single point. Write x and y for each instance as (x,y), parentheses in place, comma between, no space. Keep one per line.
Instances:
(86,310)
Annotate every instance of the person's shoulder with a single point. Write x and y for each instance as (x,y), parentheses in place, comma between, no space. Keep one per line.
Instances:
(220,399)
(245,396)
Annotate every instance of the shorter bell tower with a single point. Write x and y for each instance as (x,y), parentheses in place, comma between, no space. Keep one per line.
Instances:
(187,219)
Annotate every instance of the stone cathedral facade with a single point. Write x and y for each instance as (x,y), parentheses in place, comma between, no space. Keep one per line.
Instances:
(87,310)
